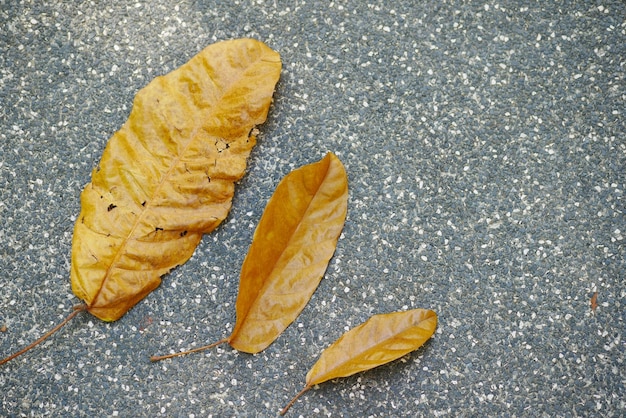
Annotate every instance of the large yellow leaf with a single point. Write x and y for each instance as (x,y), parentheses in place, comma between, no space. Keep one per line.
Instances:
(167,176)
(291,248)
(379,340)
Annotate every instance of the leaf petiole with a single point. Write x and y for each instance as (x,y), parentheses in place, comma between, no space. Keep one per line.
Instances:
(182,353)
(293,400)
(77,309)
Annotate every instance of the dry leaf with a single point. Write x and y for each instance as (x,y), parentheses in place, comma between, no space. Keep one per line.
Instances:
(3,328)
(594,301)
(290,250)
(379,340)
(167,176)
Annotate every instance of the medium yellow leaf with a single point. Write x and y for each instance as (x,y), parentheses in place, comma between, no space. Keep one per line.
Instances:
(379,340)
(167,176)
(290,250)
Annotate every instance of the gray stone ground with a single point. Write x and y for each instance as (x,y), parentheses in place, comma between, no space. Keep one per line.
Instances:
(485,144)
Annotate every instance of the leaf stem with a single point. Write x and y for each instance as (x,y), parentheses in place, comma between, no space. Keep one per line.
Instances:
(77,309)
(182,353)
(295,398)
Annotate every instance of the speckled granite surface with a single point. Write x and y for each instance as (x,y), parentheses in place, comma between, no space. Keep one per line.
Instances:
(485,144)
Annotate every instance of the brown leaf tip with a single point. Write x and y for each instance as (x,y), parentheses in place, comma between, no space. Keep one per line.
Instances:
(594,301)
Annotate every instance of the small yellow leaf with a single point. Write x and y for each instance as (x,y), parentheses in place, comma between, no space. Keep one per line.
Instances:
(379,340)
(290,250)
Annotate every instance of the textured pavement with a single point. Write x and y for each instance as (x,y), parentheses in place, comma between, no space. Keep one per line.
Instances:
(485,144)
